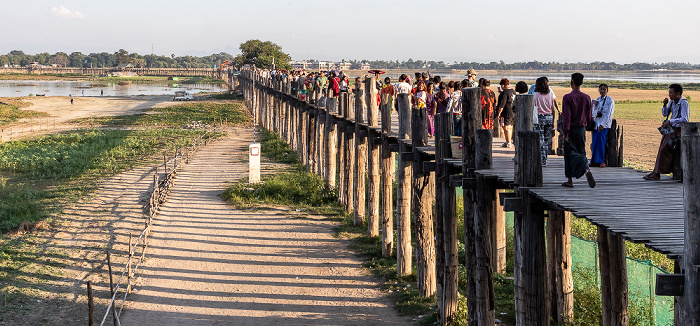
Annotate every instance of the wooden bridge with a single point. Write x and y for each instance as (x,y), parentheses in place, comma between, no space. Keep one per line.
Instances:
(343,139)
(188,72)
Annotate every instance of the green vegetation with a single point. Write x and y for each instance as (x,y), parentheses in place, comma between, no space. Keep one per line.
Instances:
(41,173)
(262,55)
(178,115)
(202,80)
(10,112)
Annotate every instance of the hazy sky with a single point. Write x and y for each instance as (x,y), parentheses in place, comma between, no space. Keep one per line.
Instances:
(623,31)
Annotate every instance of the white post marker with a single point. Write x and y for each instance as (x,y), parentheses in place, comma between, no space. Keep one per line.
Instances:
(254,163)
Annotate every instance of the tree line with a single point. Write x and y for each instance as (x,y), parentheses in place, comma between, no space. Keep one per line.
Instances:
(104,59)
(531,65)
(261,54)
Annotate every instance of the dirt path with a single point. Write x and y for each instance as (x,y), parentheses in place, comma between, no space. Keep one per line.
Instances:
(212,265)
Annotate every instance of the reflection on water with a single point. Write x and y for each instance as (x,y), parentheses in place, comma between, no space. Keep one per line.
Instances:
(10,88)
(640,77)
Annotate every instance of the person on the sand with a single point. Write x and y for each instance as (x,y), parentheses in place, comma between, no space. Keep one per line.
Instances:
(575,114)
(677,111)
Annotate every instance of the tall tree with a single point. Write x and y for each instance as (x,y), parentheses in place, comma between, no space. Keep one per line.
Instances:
(261,54)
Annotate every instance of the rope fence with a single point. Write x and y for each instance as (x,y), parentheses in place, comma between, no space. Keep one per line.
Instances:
(161,188)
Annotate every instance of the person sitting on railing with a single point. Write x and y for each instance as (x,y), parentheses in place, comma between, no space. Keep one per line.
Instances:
(676,113)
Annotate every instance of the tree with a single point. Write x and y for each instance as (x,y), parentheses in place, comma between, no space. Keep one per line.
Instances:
(261,54)
(122,57)
(60,59)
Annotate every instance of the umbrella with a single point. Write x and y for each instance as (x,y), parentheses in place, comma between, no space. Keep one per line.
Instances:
(376,71)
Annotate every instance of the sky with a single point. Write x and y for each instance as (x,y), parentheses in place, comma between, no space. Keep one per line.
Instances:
(623,31)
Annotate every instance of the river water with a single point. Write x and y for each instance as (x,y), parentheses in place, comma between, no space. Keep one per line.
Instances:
(13,88)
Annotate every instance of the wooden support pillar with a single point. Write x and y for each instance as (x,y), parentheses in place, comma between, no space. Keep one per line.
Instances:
(533,307)
(349,147)
(561,282)
(471,122)
(690,148)
(613,276)
(404,251)
(372,160)
(484,231)
(342,159)
(331,144)
(423,201)
(311,139)
(304,134)
(446,214)
(321,142)
(388,167)
(501,243)
(360,158)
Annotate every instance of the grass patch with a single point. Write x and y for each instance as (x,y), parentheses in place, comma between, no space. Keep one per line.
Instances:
(178,115)
(40,173)
(202,80)
(10,111)
(639,110)
(627,85)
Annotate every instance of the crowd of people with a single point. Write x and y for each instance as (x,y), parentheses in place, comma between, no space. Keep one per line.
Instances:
(579,113)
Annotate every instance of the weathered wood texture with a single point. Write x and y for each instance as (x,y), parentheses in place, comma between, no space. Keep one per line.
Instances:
(561,284)
(446,213)
(471,122)
(690,149)
(331,145)
(403,196)
(532,308)
(388,166)
(484,231)
(373,161)
(360,159)
(423,195)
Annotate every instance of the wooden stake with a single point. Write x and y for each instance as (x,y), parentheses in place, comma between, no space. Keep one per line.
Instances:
(484,231)
(111,290)
(91,305)
(331,146)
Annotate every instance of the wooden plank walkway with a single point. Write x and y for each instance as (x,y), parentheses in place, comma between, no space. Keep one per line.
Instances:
(649,212)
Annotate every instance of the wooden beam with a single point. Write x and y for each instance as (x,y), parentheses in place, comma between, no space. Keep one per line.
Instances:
(561,283)
(690,155)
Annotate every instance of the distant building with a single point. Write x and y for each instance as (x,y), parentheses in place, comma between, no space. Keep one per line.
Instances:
(299,65)
(343,65)
(364,66)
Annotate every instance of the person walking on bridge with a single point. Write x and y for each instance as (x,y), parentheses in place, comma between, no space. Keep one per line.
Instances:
(575,115)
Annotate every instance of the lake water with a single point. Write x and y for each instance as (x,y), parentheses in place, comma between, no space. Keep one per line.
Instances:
(12,88)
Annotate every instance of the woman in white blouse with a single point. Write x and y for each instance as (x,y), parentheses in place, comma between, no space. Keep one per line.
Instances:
(603,116)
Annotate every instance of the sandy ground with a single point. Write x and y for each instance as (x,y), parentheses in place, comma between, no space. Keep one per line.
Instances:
(213,265)
(61,112)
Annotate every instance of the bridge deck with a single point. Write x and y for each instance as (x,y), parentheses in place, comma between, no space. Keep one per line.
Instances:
(649,212)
